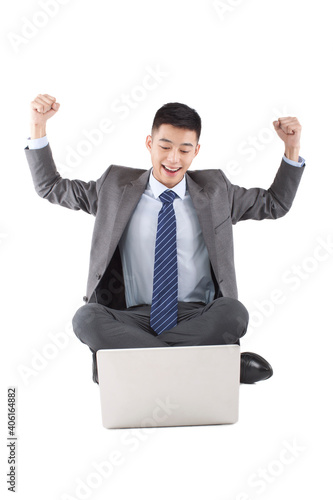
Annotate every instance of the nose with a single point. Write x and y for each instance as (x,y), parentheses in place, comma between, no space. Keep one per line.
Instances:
(173,156)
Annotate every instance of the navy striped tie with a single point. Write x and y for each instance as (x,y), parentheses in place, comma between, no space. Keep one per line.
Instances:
(164,305)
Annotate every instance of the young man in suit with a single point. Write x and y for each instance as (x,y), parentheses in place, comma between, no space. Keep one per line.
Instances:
(161,268)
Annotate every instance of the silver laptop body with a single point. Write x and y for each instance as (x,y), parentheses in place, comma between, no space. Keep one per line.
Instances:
(169,386)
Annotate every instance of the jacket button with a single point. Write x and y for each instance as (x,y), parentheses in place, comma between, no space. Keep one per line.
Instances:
(85,298)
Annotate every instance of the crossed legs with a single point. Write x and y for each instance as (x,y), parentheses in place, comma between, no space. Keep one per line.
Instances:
(223,321)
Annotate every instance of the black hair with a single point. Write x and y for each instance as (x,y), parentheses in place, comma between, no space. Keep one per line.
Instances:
(179,115)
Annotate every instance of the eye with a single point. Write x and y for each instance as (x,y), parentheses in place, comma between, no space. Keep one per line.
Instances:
(184,151)
(164,147)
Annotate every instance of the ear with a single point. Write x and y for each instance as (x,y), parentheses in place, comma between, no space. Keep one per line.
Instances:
(197,149)
(149,141)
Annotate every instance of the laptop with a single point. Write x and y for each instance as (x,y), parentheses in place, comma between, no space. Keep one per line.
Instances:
(169,386)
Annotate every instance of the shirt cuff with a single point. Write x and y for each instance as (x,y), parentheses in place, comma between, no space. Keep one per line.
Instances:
(298,163)
(39,143)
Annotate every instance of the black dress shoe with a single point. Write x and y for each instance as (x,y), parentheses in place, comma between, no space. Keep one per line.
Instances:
(254,368)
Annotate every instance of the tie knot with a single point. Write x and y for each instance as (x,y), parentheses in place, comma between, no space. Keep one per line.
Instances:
(167,196)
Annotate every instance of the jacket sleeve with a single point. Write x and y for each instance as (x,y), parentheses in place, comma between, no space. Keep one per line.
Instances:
(258,203)
(73,194)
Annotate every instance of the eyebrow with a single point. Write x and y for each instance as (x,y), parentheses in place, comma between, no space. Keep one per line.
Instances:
(183,143)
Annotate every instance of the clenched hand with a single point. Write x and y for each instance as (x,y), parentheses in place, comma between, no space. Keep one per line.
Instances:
(42,107)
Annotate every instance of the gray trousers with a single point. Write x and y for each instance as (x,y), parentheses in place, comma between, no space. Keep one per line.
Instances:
(223,321)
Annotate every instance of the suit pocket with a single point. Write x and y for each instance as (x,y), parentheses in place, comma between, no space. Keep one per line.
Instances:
(222,225)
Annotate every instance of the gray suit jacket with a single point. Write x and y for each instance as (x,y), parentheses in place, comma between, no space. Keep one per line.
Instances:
(114,196)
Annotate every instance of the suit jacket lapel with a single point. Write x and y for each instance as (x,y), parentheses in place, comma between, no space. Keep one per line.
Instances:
(131,195)
(202,205)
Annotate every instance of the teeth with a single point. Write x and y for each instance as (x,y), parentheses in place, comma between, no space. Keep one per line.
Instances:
(171,170)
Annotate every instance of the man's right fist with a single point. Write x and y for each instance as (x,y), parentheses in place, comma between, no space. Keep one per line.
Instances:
(43,107)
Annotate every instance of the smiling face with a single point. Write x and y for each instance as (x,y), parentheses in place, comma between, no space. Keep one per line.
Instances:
(172,151)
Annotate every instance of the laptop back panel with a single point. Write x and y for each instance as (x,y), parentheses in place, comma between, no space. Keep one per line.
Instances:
(169,386)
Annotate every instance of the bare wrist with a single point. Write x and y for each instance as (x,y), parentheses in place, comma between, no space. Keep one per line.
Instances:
(292,153)
(37,131)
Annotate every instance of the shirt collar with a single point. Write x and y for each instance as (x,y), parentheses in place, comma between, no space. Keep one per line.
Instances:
(158,188)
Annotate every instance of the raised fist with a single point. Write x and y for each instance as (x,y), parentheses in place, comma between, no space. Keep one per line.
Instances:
(43,107)
(289,130)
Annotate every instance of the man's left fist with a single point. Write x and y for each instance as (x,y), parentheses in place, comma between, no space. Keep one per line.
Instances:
(289,130)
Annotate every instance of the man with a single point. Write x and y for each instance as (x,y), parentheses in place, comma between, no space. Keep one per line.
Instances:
(161,267)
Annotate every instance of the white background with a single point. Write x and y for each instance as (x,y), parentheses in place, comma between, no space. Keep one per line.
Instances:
(240,66)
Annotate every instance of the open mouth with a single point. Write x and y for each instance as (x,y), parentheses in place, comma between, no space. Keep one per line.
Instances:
(171,170)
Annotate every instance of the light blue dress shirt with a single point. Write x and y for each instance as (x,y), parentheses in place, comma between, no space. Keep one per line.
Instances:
(137,244)
(137,248)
